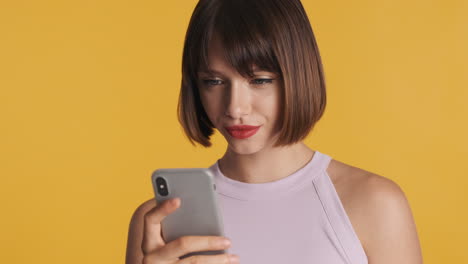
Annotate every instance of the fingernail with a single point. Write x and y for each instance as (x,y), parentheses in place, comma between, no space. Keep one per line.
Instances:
(233,259)
(175,201)
(224,242)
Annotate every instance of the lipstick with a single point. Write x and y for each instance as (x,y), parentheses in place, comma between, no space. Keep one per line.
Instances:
(242,132)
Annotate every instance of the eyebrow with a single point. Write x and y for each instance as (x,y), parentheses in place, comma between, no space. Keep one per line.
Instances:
(209,71)
(255,69)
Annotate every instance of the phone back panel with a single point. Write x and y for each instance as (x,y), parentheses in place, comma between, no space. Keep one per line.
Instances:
(198,214)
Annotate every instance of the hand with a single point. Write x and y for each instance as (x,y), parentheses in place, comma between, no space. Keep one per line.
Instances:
(157,251)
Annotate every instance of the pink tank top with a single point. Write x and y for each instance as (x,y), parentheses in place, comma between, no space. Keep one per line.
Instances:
(298,219)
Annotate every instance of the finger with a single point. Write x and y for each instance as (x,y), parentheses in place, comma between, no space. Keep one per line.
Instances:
(152,239)
(211,259)
(155,257)
(188,244)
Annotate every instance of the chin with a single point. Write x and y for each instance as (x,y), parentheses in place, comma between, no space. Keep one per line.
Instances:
(245,148)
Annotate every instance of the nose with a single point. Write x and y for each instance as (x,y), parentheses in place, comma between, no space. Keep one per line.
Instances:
(238,100)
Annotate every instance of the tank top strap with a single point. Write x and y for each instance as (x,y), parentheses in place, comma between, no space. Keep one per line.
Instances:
(350,244)
(321,161)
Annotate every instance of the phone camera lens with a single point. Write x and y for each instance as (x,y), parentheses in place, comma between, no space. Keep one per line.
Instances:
(161,186)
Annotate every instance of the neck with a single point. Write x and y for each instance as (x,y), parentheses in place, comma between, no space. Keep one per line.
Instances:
(265,166)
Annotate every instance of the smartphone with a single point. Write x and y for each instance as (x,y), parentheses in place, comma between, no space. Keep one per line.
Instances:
(198,214)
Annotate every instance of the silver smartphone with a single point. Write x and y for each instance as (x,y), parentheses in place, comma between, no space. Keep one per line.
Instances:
(198,214)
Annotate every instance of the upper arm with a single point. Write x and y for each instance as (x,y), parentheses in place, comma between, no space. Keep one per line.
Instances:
(391,233)
(134,253)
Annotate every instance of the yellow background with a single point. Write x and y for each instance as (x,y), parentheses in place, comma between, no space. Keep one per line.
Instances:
(88,94)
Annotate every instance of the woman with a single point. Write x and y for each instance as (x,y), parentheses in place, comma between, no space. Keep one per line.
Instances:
(252,70)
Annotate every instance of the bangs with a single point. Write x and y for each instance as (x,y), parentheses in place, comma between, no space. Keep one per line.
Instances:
(243,34)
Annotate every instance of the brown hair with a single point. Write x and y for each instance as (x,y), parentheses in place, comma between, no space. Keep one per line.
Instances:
(275,35)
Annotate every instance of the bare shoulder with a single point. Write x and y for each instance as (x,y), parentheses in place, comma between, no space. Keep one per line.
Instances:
(355,184)
(379,212)
(135,231)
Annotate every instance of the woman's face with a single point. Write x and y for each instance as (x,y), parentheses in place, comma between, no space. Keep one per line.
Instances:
(232,100)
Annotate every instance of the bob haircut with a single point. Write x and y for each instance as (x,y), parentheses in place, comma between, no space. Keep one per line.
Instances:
(276,36)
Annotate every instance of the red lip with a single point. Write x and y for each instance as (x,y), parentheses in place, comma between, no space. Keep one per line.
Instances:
(243,131)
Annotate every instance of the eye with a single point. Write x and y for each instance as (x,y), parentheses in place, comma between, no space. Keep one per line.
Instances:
(262,81)
(211,82)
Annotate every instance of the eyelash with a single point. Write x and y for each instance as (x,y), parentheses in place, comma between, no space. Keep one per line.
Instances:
(263,81)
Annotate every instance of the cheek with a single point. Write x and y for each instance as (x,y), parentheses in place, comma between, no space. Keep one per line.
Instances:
(268,106)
